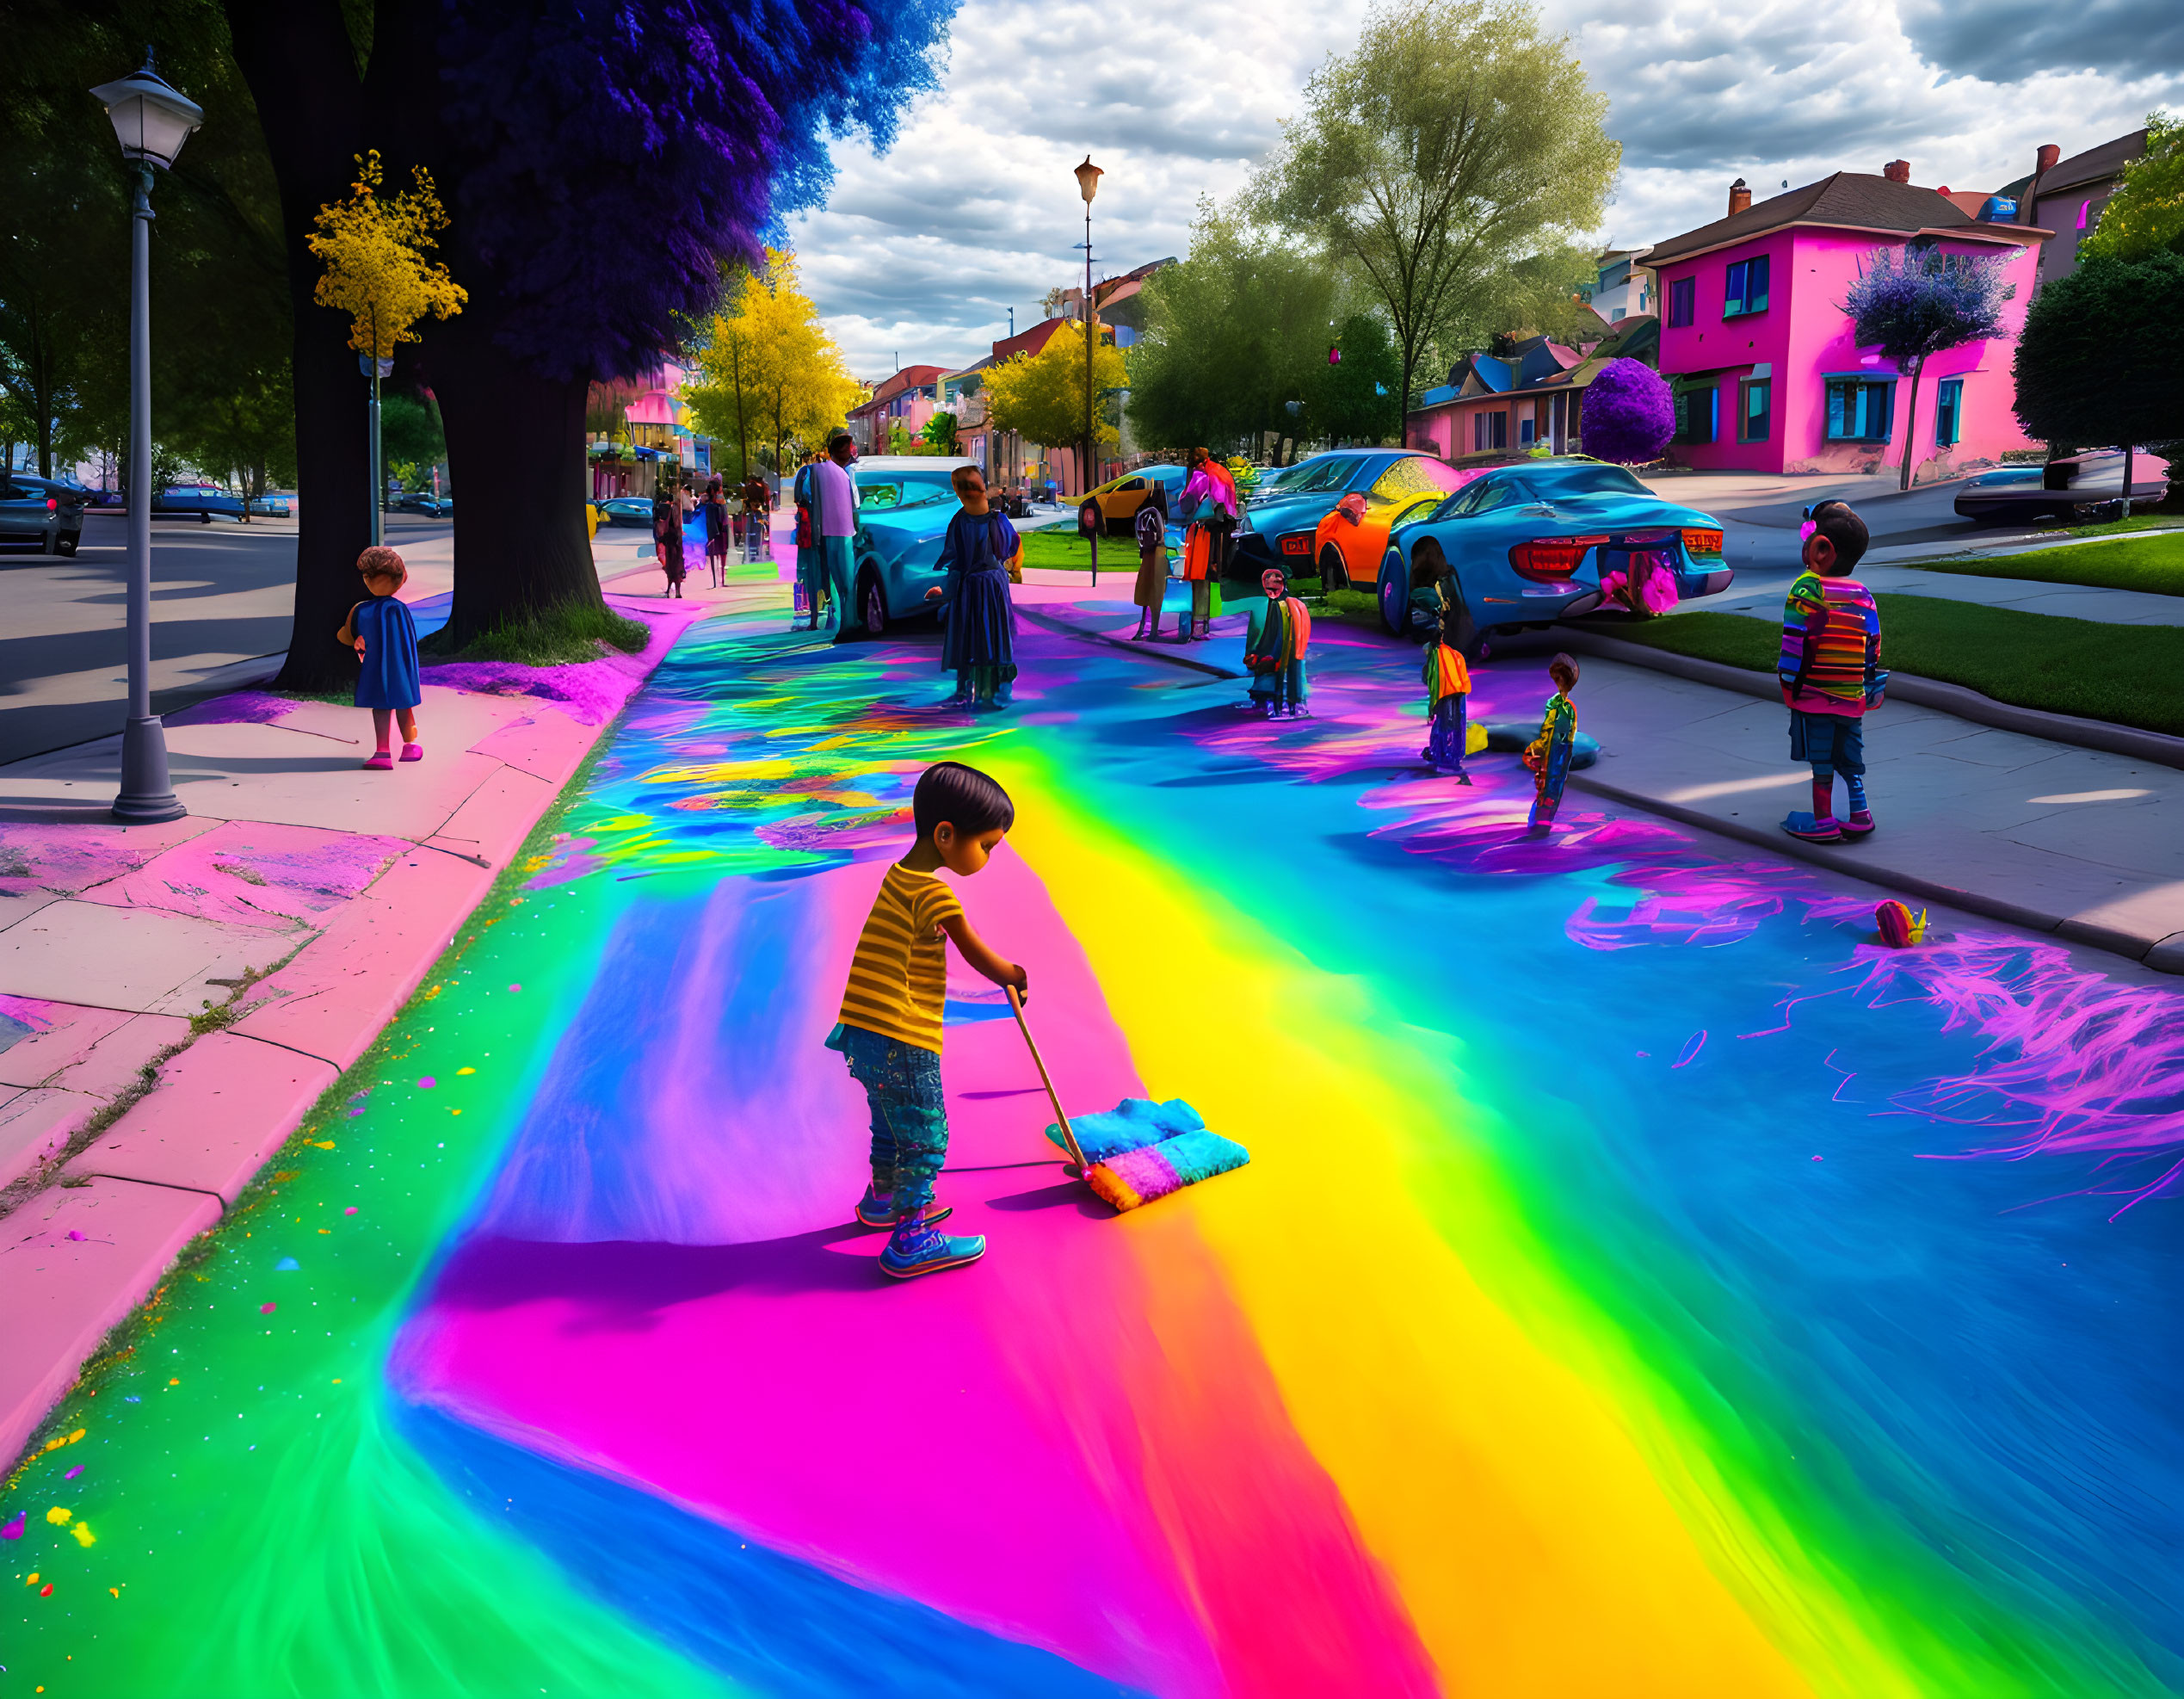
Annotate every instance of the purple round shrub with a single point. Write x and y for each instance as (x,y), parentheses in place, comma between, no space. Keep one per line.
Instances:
(1628,415)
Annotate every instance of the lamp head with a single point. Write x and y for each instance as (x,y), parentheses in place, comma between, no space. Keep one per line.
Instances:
(152,118)
(1087,179)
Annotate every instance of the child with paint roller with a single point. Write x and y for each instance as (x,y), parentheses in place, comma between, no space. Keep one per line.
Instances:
(889,1029)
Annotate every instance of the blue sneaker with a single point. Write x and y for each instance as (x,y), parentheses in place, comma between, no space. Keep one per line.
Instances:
(1824,830)
(877,1210)
(920,1248)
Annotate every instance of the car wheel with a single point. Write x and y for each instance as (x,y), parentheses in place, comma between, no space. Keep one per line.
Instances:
(65,545)
(872,603)
(1333,570)
(205,519)
(1392,595)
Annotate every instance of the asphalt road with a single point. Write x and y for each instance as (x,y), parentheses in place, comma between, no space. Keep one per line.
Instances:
(222,593)
(1761,536)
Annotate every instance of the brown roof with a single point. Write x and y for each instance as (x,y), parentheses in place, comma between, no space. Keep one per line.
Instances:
(1028,341)
(2096,164)
(1848,200)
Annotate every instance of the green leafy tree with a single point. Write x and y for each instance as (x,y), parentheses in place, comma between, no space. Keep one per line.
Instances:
(2100,360)
(1914,306)
(1234,333)
(940,435)
(1457,142)
(2145,215)
(410,428)
(1355,398)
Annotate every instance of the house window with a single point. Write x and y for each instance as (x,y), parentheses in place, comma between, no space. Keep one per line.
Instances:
(1747,291)
(1859,410)
(1948,413)
(1527,428)
(1683,302)
(1490,430)
(1697,411)
(1752,415)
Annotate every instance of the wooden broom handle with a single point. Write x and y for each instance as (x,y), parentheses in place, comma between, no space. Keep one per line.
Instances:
(1061,1115)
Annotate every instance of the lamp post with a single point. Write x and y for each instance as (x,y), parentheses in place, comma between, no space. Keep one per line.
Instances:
(151,120)
(1088,184)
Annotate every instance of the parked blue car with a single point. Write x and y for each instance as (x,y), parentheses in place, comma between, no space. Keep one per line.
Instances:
(626,510)
(1279,524)
(197,501)
(904,503)
(1544,540)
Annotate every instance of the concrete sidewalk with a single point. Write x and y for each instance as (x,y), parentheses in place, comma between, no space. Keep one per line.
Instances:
(1761,593)
(174,999)
(2054,839)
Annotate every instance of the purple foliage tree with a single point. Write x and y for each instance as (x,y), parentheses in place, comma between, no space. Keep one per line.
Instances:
(1914,306)
(604,165)
(1628,415)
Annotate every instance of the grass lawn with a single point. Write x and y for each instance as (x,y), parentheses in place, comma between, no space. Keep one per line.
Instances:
(1060,548)
(2131,675)
(2138,521)
(2155,564)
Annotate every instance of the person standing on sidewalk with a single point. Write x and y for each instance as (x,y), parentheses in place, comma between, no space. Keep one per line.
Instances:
(1830,672)
(717,533)
(666,536)
(837,493)
(380,630)
(1210,507)
(807,540)
(758,512)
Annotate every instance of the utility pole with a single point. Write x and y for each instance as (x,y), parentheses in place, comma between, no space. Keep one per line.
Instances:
(1088,183)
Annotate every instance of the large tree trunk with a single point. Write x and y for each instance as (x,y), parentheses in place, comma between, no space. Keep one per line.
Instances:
(301,66)
(516,455)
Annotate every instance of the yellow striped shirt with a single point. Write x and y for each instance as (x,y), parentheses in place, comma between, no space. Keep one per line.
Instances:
(898,977)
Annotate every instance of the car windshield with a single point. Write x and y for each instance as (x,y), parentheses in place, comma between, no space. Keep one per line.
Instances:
(1416,475)
(1332,471)
(1589,481)
(901,489)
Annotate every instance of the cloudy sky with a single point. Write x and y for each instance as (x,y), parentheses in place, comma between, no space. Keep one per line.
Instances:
(917,256)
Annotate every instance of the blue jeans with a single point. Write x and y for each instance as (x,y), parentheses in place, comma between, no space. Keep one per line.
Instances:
(909,1118)
(834,578)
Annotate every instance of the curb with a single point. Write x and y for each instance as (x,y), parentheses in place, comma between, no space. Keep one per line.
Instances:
(1065,629)
(78,1258)
(1967,704)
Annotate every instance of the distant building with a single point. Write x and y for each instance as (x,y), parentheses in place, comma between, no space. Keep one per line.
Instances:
(1495,405)
(907,399)
(1625,286)
(2066,196)
(1754,341)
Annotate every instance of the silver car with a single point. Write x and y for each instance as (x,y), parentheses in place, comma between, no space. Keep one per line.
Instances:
(2067,489)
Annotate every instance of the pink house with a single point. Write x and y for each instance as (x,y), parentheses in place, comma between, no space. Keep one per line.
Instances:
(1756,345)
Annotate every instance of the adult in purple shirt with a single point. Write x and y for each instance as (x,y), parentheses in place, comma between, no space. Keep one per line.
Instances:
(837,523)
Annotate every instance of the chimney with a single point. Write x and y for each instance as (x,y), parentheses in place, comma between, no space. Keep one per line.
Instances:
(1740,198)
(2044,162)
(1897,170)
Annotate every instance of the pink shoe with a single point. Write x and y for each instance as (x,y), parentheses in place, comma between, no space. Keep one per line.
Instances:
(381,762)
(413,751)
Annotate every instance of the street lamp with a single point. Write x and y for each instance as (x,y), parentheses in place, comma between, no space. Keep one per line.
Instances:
(1088,184)
(152,121)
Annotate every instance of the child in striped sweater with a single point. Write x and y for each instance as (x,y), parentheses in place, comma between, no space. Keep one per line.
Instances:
(1830,672)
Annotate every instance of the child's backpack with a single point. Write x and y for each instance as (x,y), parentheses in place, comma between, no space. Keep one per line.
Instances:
(1151,532)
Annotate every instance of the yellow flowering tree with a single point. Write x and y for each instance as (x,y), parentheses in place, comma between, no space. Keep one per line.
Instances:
(1042,396)
(374,252)
(769,370)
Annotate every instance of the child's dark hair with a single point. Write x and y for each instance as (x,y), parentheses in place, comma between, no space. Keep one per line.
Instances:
(381,562)
(957,477)
(1563,671)
(1840,524)
(963,796)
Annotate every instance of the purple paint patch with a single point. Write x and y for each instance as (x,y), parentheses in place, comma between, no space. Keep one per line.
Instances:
(73,1473)
(13,1530)
(1692,1046)
(427,1083)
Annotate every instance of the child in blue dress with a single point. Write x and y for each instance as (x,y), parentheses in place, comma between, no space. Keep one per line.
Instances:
(385,637)
(977,619)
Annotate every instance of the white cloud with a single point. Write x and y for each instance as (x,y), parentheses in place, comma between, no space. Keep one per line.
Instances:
(919,254)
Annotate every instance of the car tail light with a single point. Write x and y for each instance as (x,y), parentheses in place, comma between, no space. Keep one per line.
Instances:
(1546,559)
(1702,542)
(1297,543)
(51,506)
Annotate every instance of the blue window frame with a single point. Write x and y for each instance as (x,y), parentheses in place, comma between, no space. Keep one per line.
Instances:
(1752,417)
(1948,413)
(1683,302)
(1860,409)
(1747,289)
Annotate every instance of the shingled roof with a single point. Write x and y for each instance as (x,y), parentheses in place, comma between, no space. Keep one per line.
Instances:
(1846,200)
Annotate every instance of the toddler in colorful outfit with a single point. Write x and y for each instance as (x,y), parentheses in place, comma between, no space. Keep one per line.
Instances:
(1830,672)
(385,638)
(889,1029)
(1548,754)
(1449,684)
